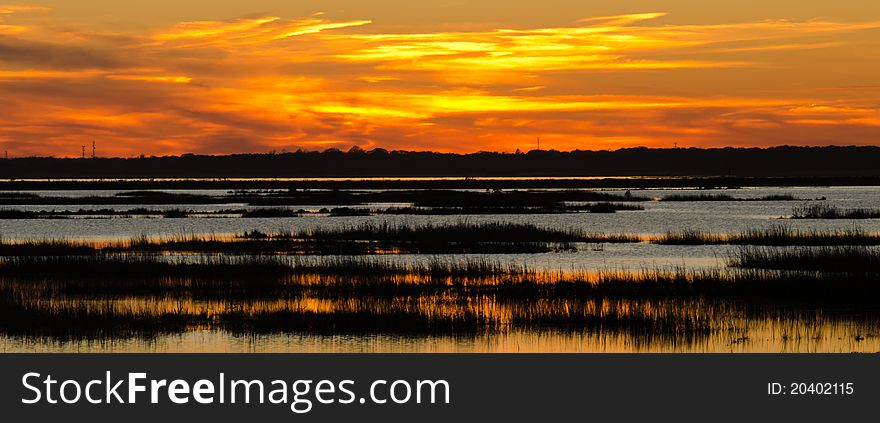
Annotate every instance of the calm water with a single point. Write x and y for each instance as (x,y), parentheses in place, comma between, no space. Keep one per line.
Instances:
(658,217)
(734,329)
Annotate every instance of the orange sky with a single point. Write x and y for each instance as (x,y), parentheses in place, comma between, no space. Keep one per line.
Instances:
(165,80)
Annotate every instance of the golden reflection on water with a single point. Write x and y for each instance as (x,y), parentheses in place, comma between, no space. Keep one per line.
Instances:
(691,325)
(827,339)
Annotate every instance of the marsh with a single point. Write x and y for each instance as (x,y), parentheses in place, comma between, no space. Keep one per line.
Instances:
(544,269)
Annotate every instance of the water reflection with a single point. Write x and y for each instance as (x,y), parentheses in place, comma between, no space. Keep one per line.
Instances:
(51,315)
(419,312)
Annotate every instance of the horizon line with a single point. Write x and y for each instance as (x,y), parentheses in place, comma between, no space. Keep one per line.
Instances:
(359,150)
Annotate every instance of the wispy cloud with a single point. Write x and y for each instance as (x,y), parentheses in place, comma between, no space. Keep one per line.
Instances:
(8,9)
(245,32)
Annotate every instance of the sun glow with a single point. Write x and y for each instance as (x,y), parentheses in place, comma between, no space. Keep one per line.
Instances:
(260,83)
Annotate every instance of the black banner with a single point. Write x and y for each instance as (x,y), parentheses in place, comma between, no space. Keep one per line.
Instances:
(437,388)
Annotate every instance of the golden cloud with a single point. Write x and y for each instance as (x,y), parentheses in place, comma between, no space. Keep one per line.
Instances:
(260,83)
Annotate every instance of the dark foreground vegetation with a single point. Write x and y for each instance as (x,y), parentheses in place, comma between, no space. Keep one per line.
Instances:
(289,283)
(755,273)
(516,199)
(275,212)
(79,320)
(846,259)
(825,211)
(459,238)
(126,296)
(778,235)
(450,233)
(462,237)
(637,184)
(775,161)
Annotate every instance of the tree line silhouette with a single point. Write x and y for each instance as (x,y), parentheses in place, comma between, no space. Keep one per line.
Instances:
(775,161)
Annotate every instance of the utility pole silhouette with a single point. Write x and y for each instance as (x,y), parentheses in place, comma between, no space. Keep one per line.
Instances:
(83,151)
(93,149)
(539,143)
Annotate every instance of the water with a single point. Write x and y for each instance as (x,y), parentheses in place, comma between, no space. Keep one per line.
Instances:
(828,339)
(514,325)
(658,217)
(734,327)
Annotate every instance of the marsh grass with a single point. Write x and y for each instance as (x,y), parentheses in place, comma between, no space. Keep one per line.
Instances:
(600,207)
(120,296)
(420,198)
(645,320)
(463,237)
(457,232)
(247,267)
(286,212)
(245,276)
(81,319)
(689,237)
(825,211)
(89,319)
(46,247)
(461,232)
(847,259)
(778,235)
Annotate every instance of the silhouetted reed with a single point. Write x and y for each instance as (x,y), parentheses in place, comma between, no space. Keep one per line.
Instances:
(82,319)
(117,296)
(486,238)
(278,212)
(245,267)
(420,198)
(825,211)
(775,236)
(643,321)
(462,237)
(334,277)
(455,232)
(89,319)
(46,247)
(640,320)
(602,207)
(690,237)
(826,259)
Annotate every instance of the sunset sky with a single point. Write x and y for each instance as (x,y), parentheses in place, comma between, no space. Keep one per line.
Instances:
(170,77)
